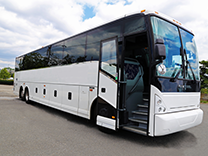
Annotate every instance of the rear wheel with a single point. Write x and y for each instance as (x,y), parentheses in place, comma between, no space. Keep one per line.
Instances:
(26,96)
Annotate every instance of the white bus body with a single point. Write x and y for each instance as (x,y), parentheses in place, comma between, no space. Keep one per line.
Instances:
(116,81)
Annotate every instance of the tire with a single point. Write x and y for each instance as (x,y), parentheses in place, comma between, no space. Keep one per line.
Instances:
(21,94)
(94,113)
(26,96)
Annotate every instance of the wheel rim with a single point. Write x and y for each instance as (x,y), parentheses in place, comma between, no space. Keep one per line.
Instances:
(27,96)
(21,94)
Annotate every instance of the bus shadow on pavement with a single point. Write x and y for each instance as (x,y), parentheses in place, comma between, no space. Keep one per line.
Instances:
(62,114)
(176,140)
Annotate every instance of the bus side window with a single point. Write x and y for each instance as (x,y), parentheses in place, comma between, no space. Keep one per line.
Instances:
(92,51)
(55,93)
(69,95)
(74,50)
(55,54)
(44,91)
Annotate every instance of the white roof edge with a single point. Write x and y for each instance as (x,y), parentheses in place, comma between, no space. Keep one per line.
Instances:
(146,12)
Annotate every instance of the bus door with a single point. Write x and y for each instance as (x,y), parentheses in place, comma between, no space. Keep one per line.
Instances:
(108,84)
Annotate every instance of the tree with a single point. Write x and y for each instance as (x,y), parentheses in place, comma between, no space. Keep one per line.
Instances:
(204,74)
(11,71)
(4,74)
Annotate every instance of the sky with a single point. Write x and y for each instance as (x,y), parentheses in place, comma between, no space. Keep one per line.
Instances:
(26,25)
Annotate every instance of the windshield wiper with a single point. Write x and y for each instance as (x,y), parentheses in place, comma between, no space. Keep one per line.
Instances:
(177,75)
(191,70)
(187,62)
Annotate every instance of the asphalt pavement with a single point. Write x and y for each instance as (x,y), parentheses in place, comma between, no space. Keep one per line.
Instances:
(37,130)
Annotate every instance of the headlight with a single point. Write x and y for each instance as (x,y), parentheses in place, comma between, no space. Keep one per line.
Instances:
(159,105)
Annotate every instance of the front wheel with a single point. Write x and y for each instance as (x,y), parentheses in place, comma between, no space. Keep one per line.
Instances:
(21,94)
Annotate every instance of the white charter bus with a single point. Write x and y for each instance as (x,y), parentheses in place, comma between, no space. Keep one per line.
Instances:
(139,73)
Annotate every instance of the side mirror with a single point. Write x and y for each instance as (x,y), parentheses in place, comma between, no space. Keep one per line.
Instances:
(160,52)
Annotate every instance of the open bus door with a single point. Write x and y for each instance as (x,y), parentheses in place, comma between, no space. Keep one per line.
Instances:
(108,84)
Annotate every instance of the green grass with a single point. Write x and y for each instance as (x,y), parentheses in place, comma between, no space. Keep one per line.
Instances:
(204,91)
(7,82)
(203,101)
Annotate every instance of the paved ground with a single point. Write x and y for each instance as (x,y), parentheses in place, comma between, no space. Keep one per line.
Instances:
(6,91)
(29,130)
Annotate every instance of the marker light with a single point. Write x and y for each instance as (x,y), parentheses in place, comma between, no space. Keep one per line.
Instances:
(143,11)
(113,117)
(176,22)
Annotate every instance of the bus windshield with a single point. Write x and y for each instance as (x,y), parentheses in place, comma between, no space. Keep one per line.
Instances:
(173,62)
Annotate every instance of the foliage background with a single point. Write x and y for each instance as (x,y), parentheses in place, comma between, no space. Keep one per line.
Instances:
(204,74)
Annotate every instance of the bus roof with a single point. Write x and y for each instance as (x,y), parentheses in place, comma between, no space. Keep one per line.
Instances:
(145,12)
(170,19)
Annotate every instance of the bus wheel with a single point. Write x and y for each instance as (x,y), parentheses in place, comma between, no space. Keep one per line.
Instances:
(93,112)
(27,98)
(21,94)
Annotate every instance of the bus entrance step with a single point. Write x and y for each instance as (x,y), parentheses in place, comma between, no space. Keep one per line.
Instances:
(145,101)
(140,115)
(135,129)
(137,120)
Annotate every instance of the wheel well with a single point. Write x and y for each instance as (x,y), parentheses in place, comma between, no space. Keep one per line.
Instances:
(93,111)
(26,89)
(20,90)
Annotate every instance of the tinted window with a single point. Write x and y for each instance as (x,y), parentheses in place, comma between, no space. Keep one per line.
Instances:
(92,51)
(108,58)
(56,53)
(78,40)
(74,54)
(19,64)
(104,33)
(134,25)
(74,50)
(41,58)
(37,59)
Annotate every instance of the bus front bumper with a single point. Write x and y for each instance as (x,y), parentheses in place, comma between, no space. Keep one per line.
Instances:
(174,122)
